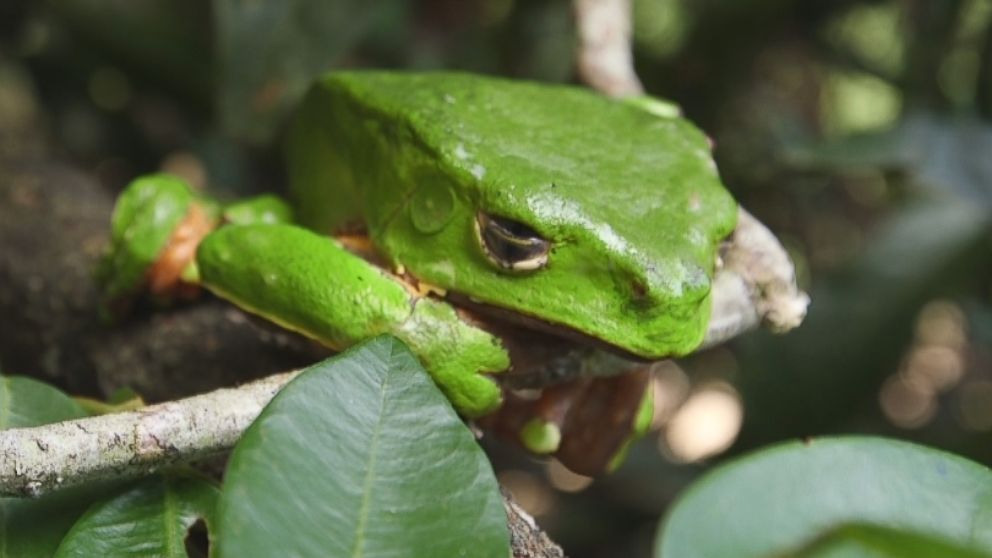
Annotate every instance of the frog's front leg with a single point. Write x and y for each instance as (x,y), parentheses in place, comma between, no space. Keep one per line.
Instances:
(311,284)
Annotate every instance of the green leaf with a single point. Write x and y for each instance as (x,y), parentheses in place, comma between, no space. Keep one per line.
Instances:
(778,499)
(122,400)
(873,541)
(150,519)
(33,528)
(25,402)
(361,455)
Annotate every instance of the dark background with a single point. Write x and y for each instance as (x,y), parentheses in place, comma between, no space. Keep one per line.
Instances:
(858,131)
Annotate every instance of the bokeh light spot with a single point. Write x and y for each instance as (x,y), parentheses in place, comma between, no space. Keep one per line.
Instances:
(565,480)
(707,424)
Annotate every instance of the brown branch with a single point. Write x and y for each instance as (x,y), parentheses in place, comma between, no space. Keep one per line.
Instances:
(603,56)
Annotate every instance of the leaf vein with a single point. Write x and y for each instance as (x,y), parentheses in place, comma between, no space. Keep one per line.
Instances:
(363,512)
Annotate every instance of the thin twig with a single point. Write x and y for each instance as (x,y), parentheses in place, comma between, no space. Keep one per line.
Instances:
(604,56)
(34,461)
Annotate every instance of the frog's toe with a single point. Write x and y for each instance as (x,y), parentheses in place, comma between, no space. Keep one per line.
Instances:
(587,424)
(473,395)
(540,436)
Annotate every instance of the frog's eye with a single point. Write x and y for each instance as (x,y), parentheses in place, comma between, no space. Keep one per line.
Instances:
(511,244)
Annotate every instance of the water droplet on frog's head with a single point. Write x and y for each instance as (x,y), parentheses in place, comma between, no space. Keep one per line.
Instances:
(270,279)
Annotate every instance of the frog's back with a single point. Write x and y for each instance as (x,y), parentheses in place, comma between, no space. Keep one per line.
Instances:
(506,142)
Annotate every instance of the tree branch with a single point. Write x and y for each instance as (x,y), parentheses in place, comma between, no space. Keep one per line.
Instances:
(603,55)
(34,461)
(755,281)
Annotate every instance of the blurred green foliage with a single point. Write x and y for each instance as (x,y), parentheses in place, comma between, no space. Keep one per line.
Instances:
(858,130)
(847,496)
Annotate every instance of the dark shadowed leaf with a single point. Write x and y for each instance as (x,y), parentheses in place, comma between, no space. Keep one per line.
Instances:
(777,500)
(361,456)
(33,528)
(270,52)
(150,519)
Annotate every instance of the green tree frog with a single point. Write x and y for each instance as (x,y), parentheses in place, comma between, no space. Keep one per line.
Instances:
(423,200)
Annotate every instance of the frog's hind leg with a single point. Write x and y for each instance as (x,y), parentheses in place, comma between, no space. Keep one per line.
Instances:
(610,414)
(587,423)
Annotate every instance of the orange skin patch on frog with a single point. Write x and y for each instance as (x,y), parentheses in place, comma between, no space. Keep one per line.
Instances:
(165,275)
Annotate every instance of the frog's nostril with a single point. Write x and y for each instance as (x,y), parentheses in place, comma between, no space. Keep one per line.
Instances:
(639,290)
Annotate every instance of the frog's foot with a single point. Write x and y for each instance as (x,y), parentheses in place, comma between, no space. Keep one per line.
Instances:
(157,225)
(587,424)
(542,434)
(157,222)
(459,355)
(170,276)
(605,420)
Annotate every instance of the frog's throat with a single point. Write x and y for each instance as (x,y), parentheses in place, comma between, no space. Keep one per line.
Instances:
(360,245)
(537,324)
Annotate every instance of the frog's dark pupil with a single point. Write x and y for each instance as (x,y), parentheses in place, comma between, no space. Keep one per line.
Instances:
(512,244)
(514,228)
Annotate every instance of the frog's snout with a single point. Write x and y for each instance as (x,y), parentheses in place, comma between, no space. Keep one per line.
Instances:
(648,288)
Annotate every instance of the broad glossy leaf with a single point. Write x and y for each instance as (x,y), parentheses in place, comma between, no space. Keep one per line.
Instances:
(33,528)
(361,455)
(150,519)
(776,500)
(873,541)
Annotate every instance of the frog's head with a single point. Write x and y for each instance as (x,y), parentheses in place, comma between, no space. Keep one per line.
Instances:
(551,203)
(566,208)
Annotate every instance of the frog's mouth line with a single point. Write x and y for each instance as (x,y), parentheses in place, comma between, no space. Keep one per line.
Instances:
(360,245)
(533,323)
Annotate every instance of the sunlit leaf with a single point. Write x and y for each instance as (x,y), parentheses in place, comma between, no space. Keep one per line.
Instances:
(778,499)
(361,456)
